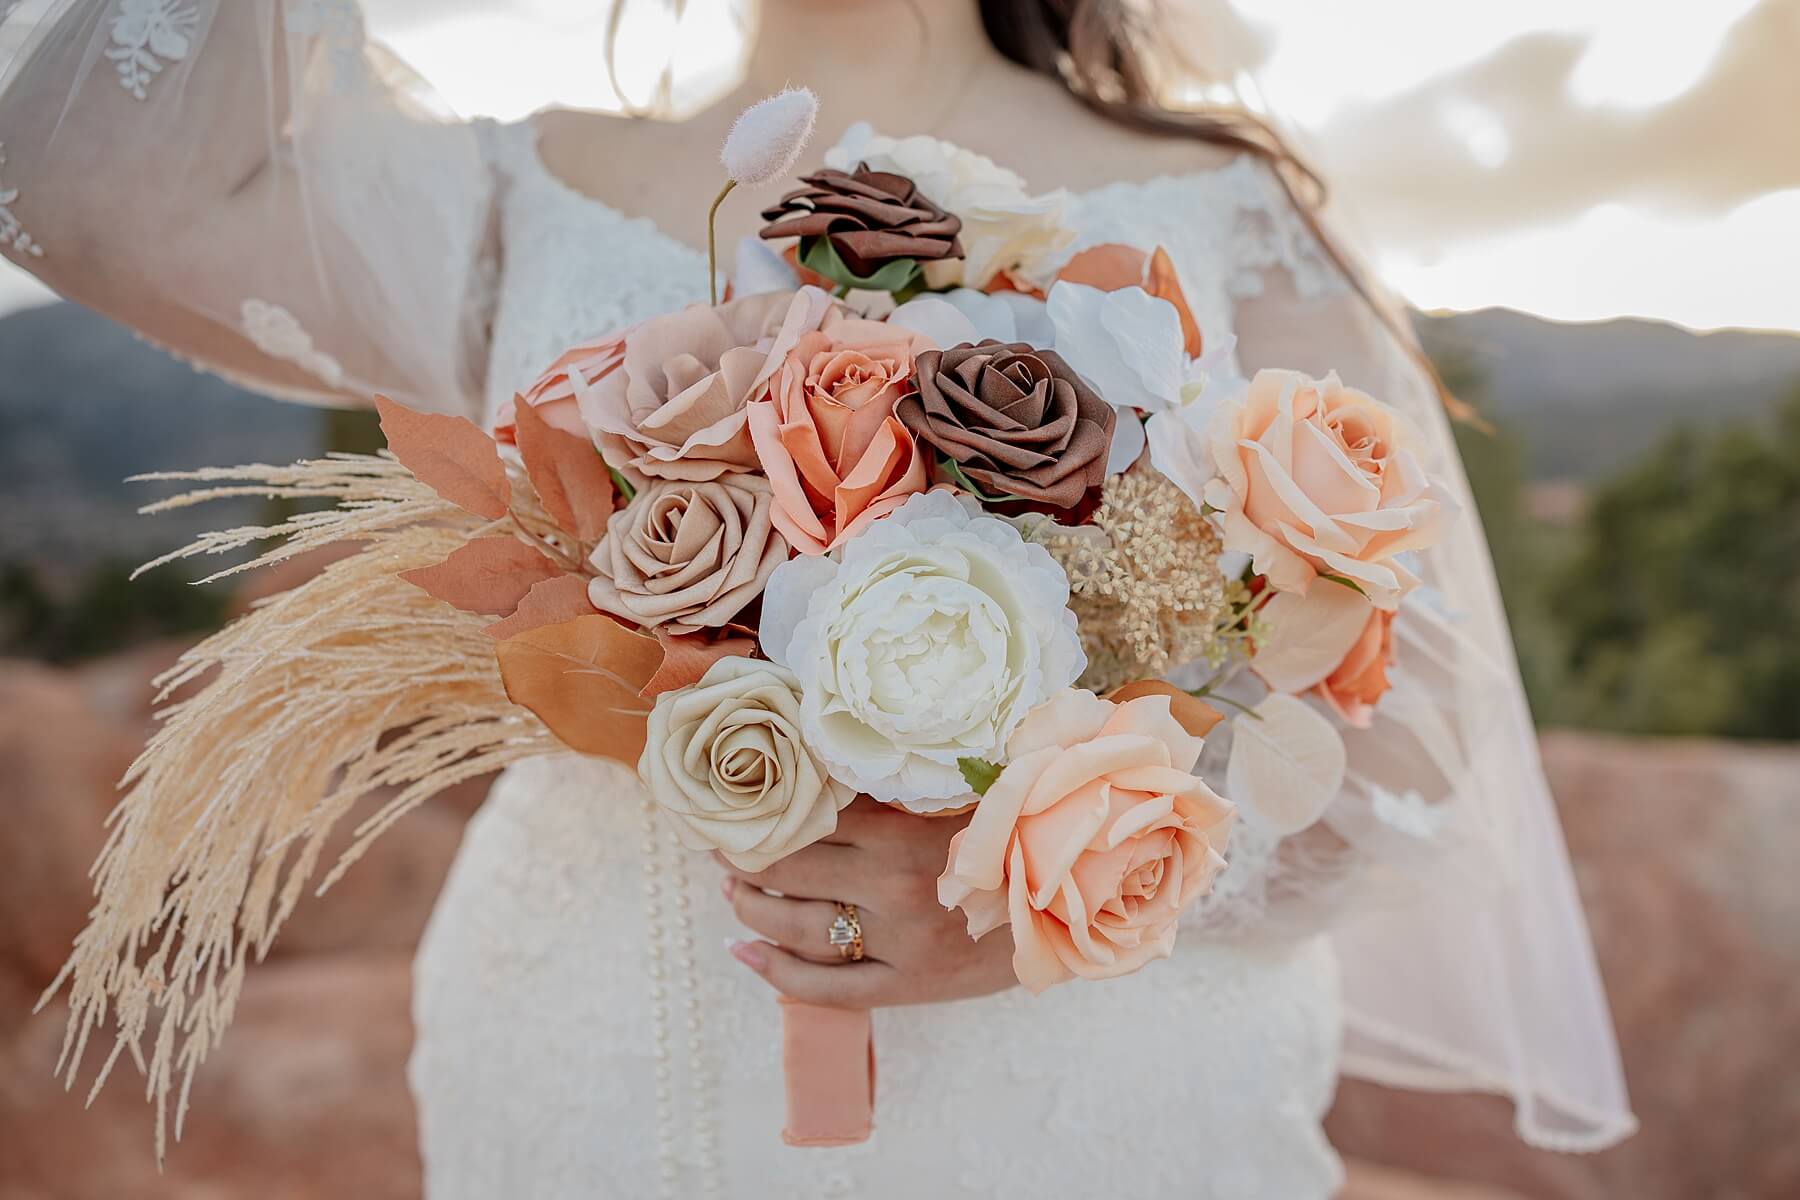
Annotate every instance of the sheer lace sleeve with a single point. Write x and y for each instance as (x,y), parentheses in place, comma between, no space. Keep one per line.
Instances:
(251,184)
(1465,954)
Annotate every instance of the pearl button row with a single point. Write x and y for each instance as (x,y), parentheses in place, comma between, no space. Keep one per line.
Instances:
(671,863)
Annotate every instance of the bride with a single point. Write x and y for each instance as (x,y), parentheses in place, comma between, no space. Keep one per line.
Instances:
(263,190)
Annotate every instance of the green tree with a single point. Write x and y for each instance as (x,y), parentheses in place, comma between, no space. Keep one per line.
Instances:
(1681,602)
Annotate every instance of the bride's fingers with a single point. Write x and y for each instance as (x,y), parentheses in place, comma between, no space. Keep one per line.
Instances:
(819,872)
(867,984)
(800,926)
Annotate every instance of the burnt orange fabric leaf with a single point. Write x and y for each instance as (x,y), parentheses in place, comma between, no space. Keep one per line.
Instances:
(567,471)
(487,575)
(1006,281)
(1162,282)
(583,678)
(550,602)
(1192,714)
(1108,266)
(450,455)
(685,660)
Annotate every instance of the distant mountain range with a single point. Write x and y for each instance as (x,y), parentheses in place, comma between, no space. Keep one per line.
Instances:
(1586,399)
(83,405)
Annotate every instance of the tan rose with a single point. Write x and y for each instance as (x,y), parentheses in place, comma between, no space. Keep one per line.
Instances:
(725,760)
(1317,478)
(687,556)
(1091,842)
(673,408)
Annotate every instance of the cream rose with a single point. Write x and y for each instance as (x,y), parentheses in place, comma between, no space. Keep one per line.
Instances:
(1317,478)
(724,758)
(687,556)
(1091,842)
(928,640)
(1004,227)
(672,404)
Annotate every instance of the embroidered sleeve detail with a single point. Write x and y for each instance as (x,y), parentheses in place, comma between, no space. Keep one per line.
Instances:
(147,35)
(11,232)
(279,334)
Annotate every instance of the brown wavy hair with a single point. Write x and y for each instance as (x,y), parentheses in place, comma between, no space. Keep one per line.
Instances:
(1109,54)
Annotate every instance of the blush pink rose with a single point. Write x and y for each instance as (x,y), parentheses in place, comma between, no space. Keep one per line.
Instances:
(673,406)
(1317,478)
(553,393)
(1361,679)
(826,434)
(1091,842)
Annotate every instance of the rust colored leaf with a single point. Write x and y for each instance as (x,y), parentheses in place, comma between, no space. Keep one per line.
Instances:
(583,678)
(487,575)
(1109,267)
(1161,281)
(686,659)
(550,602)
(450,455)
(1194,715)
(567,471)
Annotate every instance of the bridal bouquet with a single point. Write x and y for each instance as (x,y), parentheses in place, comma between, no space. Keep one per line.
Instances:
(927,510)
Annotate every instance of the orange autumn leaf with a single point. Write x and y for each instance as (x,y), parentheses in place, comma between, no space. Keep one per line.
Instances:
(1162,282)
(1108,266)
(450,455)
(686,659)
(1192,714)
(1112,265)
(487,575)
(583,678)
(570,478)
(550,602)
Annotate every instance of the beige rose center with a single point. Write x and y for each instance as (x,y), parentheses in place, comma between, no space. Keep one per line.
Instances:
(1360,440)
(745,764)
(678,528)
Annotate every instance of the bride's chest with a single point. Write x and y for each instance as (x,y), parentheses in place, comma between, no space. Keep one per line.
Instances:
(572,269)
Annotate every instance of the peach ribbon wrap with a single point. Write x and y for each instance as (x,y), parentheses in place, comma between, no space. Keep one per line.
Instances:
(828,1055)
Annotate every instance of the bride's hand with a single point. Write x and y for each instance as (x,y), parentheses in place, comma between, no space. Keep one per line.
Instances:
(885,862)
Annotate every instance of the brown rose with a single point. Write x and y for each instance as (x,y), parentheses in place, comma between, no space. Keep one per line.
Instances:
(686,555)
(870,218)
(1013,419)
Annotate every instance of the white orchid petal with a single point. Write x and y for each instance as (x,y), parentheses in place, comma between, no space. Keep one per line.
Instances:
(938,319)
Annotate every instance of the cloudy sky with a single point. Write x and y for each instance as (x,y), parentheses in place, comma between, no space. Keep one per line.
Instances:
(1580,159)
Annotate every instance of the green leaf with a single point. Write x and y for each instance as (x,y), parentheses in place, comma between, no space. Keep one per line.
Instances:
(819,255)
(979,773)
(624,485)
(948,466)
(1344,581)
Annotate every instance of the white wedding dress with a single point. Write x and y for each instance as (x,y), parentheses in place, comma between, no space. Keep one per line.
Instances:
(306,221)
(581,1029)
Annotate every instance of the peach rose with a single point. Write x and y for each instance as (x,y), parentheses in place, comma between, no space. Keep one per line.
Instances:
(553,393)
(826,433)
(1356,683)
(1317,478)
(673,407)
(1091,842)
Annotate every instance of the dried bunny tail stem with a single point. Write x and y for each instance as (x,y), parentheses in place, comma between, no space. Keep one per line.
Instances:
(351,682)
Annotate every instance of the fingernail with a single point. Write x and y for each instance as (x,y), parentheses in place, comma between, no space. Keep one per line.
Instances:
(751,954)
(728,885)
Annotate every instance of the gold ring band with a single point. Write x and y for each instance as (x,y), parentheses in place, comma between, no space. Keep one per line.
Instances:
(846,933)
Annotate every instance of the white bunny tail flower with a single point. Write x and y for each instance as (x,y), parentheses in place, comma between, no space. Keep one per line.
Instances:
(767,137)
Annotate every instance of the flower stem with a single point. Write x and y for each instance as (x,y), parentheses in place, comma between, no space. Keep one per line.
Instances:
(712,239)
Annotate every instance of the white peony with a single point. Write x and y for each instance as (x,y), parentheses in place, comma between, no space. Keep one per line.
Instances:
(928,639)
(1005,228)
